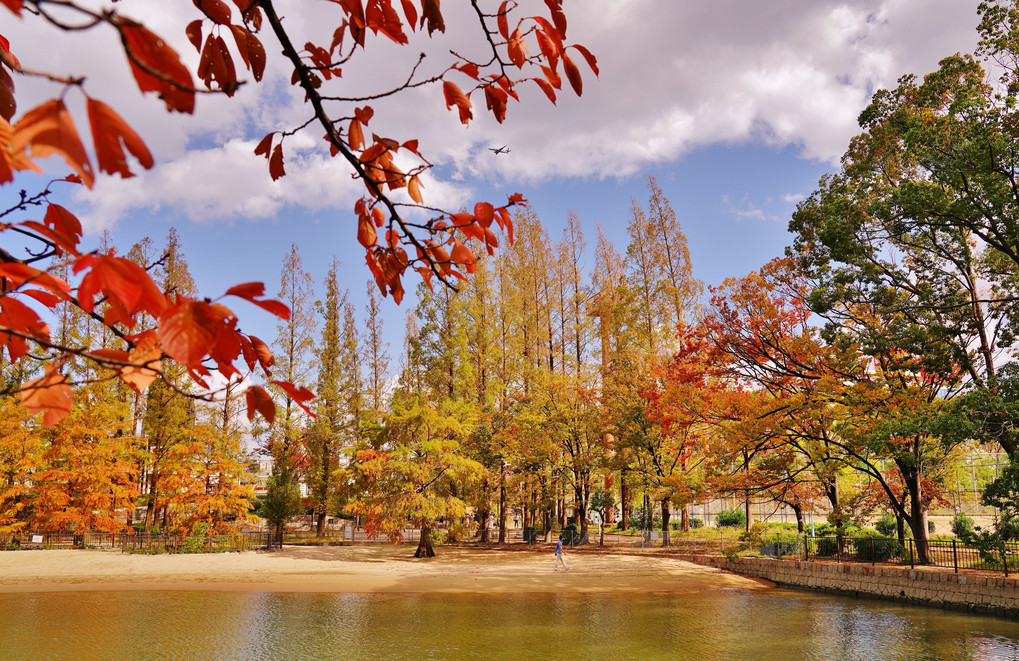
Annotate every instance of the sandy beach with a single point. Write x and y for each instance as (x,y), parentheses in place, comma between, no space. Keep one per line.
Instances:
(359,569)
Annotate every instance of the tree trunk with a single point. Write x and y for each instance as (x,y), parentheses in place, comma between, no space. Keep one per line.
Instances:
(483,526)
(666,517)
(684,518)
(320,524)
(917,520)
(900,529)
(502,503)
(624,500)
(746,505)
(425,549)
(798,511)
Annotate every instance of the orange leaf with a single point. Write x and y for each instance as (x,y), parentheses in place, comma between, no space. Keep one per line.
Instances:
(454,96)
(516,48)
(262,352)
(48,129)
(143,369)
(355,138)
(462,254)
(174,83)
(49,395)
(108,132)
(366,234)
(259,400)
(414,188)
(573,74)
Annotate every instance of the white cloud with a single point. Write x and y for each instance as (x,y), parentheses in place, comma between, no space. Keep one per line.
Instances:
(674,76)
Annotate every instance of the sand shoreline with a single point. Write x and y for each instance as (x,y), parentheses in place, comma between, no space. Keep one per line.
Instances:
(359,569)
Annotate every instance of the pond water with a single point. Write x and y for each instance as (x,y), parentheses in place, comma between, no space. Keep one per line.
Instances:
(760,625)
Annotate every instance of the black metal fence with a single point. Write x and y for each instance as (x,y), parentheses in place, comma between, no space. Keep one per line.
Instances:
(952,554)
(88,539)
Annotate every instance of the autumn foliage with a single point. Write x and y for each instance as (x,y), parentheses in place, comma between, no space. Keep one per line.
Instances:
(201,334)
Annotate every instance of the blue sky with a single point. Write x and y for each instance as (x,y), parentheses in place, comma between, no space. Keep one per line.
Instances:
(736,107)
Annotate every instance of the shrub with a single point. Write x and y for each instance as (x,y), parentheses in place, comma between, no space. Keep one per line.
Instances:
(570,535)
(696,523)
(871,546)
(732,518)
(826,546)
(643,519)
(886,525)
(930,526)
(962,526)
(782,544)
(439,536)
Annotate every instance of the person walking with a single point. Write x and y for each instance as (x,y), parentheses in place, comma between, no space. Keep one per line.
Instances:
(559,560)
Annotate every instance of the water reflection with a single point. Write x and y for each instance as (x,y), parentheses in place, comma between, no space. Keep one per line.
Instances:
(720,624)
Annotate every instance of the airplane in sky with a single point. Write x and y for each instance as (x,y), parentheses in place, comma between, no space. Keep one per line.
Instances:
(501,150)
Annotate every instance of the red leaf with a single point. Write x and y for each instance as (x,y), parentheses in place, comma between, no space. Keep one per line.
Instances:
(299,394)
(175,84)
(124,283)
(495,99)
(411,12)
(251,291)
(502,20)
(13,5)
(591,60)
(573,74)
(49,395)
(430,14)
(558,17)
(194,33)
(108,132)
(264,145)
(188,331)
(276,163)
(259,400)
(217,10)
(454,96)
(546,88)
(517,49)
(262,352)
(484,212)
(8,106)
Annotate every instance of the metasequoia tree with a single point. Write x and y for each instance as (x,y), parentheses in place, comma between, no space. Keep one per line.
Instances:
(511,53)
(411,468)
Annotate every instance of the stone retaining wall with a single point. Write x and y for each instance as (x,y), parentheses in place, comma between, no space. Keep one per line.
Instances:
(927,586)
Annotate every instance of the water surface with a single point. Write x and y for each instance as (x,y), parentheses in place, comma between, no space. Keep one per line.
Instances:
(717,624)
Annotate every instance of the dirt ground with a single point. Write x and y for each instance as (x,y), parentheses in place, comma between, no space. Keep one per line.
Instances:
(361,569)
